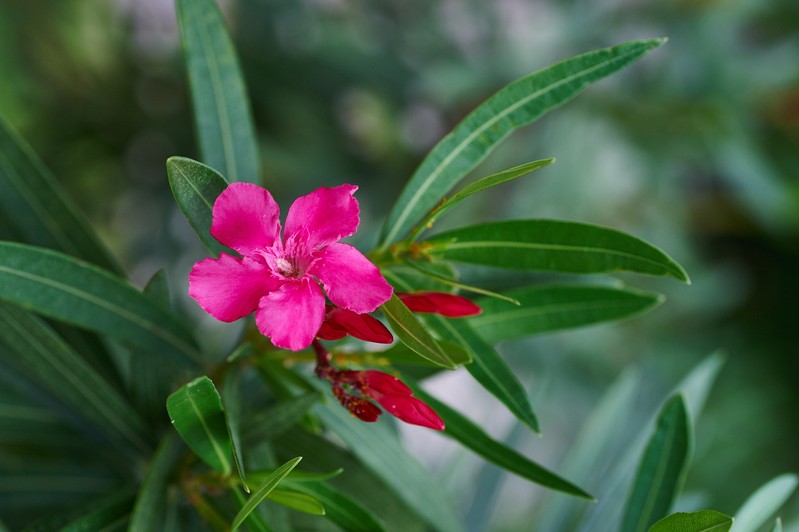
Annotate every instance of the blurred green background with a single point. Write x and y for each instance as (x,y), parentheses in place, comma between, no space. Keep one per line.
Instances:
(695,149)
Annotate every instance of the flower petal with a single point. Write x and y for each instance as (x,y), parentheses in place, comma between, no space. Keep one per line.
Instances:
(350,280)
(411,410)
(245,218)
(291,316)
(327,214)
(361,326)
(229,288)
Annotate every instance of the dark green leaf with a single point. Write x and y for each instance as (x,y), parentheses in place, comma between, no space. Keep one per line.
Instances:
(221,109)
(701,521)
(150,509)
(661,469)
(270,423)
(340,509)
(41,355)
(196,412)
(473,437)
(70,290)
(516,105)
(412,333)
(552,245)
(39,207)
(264,490)
(400,353)
(232,405)
(196,187)
(301,502)
(479,186)
(380,451)
(763,503)
(547,308)
(92,514)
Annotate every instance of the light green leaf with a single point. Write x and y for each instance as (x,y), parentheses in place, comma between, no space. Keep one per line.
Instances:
(547,308)
(378,449)
(339,508)
(661,470)
(196,412)
(221,108)
(473,437)
(41,355)
(301,502)
(195,187)
(701,521)
(478,186)
(39,208)
(763,503)
(412,333)
(777,525)
(514,106)
(150,508)
(552,245)
(72,291)
(264,490)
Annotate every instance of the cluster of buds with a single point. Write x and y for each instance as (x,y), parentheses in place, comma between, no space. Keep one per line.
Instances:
(357,389)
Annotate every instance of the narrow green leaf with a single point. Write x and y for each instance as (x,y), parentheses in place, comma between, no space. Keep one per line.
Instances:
(221,108)
(473,437)
(91,514)
(547,308)
(264,490)
(478,186)
(107,518)
(196,412)
(777,525)
(302,502)
(701,521)
(39,208)
(552,245)
(232,402)
(150,508)
(339,508)
(41,355)
(274,421)
(763,503)
(514,106)
(412,333)
(72,291)
(661,469)
(381,452)
(195,187)
(400,353)
(255,521)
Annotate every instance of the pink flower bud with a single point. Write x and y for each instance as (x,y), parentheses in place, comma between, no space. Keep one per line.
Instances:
(377,383)
(339,322)
(411,410)
(448,305)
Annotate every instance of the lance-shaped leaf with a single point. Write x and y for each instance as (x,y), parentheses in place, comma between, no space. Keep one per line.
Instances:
(150,508)
(302,502)
(67,289)
(39,208)
(400,353)
(702,521)
(516,105)
(264,490)
(552,245)
(339,508)
(196,187)
(221,109)
(413,333)
(232,401)
(547,308)
(473,437)
(37,352)
(478,186)
(196,412)
(761,505)
(661,469)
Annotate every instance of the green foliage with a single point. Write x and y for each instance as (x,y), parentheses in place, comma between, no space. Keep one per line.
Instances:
(702,521)
(263,491)
(763,503)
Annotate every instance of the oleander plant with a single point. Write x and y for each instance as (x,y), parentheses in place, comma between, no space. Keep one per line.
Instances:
(115,416)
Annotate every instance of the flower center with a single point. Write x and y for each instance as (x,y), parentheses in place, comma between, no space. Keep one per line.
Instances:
(287,267)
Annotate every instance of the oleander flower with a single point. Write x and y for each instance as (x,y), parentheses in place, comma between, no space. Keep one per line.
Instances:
(281,279)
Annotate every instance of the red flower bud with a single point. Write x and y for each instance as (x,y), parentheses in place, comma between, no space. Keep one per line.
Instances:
(411,410)
(340,322)
(358,406)
(376,382)
(448,305)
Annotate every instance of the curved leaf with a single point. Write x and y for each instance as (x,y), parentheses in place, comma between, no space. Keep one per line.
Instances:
(195,187)
(547,308)
(552,245)
(72,291)
(516,105)
(339,508)
(221,109)
(264,490)
(701,521)
(302,502)
(412,333)
(661,469)
(762,504)
(196,412)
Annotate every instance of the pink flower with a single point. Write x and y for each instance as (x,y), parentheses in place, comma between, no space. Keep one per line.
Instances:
(339,322)
(279,278)
(448,305)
